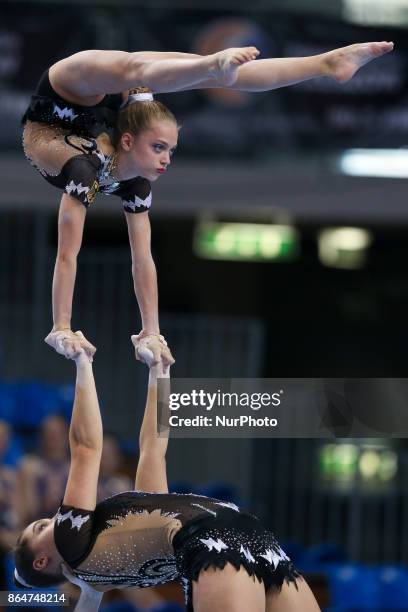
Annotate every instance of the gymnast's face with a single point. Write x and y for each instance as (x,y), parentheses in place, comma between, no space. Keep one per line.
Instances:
(149,153)
(38,532)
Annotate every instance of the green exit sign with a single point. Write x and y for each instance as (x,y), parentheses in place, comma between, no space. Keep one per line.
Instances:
(245,241)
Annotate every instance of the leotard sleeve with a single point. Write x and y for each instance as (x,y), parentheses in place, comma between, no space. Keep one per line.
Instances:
(79,178)
(136,195)
(74,534)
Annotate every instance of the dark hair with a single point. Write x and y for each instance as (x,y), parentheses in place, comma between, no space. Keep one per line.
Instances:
(139,116)
(23,560)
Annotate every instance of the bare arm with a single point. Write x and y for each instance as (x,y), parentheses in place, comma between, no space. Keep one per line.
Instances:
(71,221)
(151,474)
(143,270)
(85,436)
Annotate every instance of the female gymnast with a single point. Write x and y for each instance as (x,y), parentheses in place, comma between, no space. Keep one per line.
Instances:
(86,132)
(224,558)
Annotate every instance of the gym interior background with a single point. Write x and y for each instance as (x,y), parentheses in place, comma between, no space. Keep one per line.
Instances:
(280,239)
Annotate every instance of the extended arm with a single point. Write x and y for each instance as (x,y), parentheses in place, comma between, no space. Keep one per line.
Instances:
(151,474)
(143,270)
(145,281)
(85,433)
(85,443)
(71,221)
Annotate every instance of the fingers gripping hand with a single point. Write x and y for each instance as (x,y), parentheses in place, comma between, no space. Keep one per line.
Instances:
(89,348)
(70,344)
(152,350)
(55,340)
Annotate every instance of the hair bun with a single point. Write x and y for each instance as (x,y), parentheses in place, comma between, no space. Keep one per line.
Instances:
(142,95)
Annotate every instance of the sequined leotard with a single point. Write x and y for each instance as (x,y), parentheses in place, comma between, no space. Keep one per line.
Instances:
(59,140)
(127,539)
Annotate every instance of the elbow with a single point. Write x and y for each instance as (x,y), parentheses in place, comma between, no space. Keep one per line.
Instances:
(84,448)
(152,451)
(141,264)
(66,259)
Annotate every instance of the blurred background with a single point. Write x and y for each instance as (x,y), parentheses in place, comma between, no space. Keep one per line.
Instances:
(280,237)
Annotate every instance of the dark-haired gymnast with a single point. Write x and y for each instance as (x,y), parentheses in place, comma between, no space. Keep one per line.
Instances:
(226,560)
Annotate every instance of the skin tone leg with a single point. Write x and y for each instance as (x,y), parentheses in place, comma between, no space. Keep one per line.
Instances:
(228,589)
(291,599)
(339,64)
(88,75)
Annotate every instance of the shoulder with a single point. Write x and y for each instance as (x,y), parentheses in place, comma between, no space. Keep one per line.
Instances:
(137,185)
(136,194)
(73,533)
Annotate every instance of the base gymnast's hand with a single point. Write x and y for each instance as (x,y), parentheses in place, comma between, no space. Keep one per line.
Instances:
(152,349)
(69,343)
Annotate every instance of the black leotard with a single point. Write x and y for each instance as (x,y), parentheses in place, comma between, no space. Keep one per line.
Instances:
(81,175)
(146,539)
(127,539)
(46,106)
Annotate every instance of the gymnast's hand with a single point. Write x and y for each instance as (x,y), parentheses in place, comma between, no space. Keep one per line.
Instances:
(152,349)
(70,344)
(57,339)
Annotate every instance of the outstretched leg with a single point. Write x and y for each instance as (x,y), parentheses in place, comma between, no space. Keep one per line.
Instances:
(88,75)
(339,64)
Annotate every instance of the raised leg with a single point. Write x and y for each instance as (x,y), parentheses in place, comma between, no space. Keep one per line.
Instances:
(88,75)
(339,64)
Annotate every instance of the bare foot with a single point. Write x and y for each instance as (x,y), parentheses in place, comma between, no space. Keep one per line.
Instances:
(226,63)
(342,64)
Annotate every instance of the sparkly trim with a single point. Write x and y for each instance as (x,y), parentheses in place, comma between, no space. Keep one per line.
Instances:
(235,538)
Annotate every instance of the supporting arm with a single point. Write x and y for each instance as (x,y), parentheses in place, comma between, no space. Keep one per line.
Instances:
(151,474)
